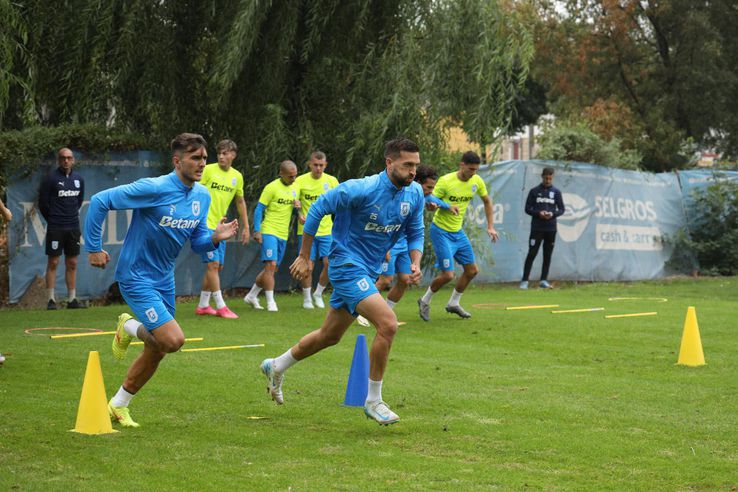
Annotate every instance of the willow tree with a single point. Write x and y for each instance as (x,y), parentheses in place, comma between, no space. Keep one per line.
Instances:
(280,78)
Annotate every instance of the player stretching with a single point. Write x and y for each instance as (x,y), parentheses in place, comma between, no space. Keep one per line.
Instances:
(276,203)
(224,183)
(311,185)
(370,215)
(449,240)
(167,211)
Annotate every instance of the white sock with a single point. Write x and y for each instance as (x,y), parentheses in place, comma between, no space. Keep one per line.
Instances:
(122,398)
(204,299)
(375,391)
(218,298)
(269,295)
(72,294)
(131,327)
(254,292)
(306,293)
(319,289)
(284,361)
(427,296)
(455,298)
(50,294)
(391,304)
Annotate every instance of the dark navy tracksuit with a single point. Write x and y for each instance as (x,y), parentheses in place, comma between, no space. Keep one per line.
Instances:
(59,200)
(542,198)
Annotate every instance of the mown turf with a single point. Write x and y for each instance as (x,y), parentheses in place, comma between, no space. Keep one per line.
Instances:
(508,400)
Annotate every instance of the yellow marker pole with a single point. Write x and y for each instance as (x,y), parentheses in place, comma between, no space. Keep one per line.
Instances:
(76,335)
(200,339)
(230,347)
(542,306)
(585,310)
(631,315)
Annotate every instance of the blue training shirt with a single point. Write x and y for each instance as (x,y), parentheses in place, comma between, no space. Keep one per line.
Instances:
(166,213)
(370,215)
(401,244)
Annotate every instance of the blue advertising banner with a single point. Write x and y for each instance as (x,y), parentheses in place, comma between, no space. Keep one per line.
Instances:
(613,227)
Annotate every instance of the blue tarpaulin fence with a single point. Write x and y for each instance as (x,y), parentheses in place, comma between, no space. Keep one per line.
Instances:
(612,229)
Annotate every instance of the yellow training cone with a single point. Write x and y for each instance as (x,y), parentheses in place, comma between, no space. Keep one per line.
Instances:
(92,416)
(690,353)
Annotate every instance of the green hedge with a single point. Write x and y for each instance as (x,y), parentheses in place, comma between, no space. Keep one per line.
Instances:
(24,150)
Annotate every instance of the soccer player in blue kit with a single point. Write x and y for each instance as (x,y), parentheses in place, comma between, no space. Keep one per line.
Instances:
(167,211)
(370,215)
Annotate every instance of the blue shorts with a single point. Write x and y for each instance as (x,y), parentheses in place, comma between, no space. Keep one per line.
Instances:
(320,248)
(351,285)
(218,254)
(450,246)
(151,306)
(399,262)
(272,248)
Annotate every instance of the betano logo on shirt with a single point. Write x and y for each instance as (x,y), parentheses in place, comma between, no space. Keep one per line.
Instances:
(373,226)
(542,199)
(285,201)
(453,198)
(167,221)
(221,187)
(69,193)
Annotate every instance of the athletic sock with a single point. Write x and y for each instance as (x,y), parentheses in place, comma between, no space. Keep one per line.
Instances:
(131,327)
(284,361)
(72,294)
(218,298)
(122,398)
(319,289)
(269,295)
(391,304)
(427,296)
(204,299)
(375,391)
(306,293)
(50,294)
(254,292)
(455,298)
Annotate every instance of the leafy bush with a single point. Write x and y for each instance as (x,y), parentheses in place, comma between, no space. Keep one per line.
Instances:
(710,242)
(576,142)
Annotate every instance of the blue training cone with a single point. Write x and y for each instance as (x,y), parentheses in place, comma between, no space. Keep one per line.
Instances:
(358,381)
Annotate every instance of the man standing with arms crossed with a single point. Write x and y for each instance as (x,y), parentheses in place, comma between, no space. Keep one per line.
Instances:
(167,211)
(311,185)
(223,182)
(449,239)
(370,215)
(276,203)
(59,200)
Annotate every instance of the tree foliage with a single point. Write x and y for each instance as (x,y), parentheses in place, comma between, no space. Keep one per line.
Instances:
(667,67)
(711,241)
(280,78)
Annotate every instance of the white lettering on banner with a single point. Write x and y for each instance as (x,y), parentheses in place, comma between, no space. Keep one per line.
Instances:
(624,208)
(624,237)
(475,213)
(572,224)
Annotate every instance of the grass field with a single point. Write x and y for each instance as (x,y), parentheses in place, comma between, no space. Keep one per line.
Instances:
(508,400)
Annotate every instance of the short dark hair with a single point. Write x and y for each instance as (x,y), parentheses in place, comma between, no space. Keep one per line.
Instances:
(393,147)
(425,172)
(547,171)
(471,157)
(226,145)
(185,142)
(317,154)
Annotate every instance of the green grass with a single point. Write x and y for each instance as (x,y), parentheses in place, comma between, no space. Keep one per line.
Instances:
(508,400)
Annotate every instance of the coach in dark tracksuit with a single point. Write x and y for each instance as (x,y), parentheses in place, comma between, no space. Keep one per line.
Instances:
(544,204)
(59,201)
